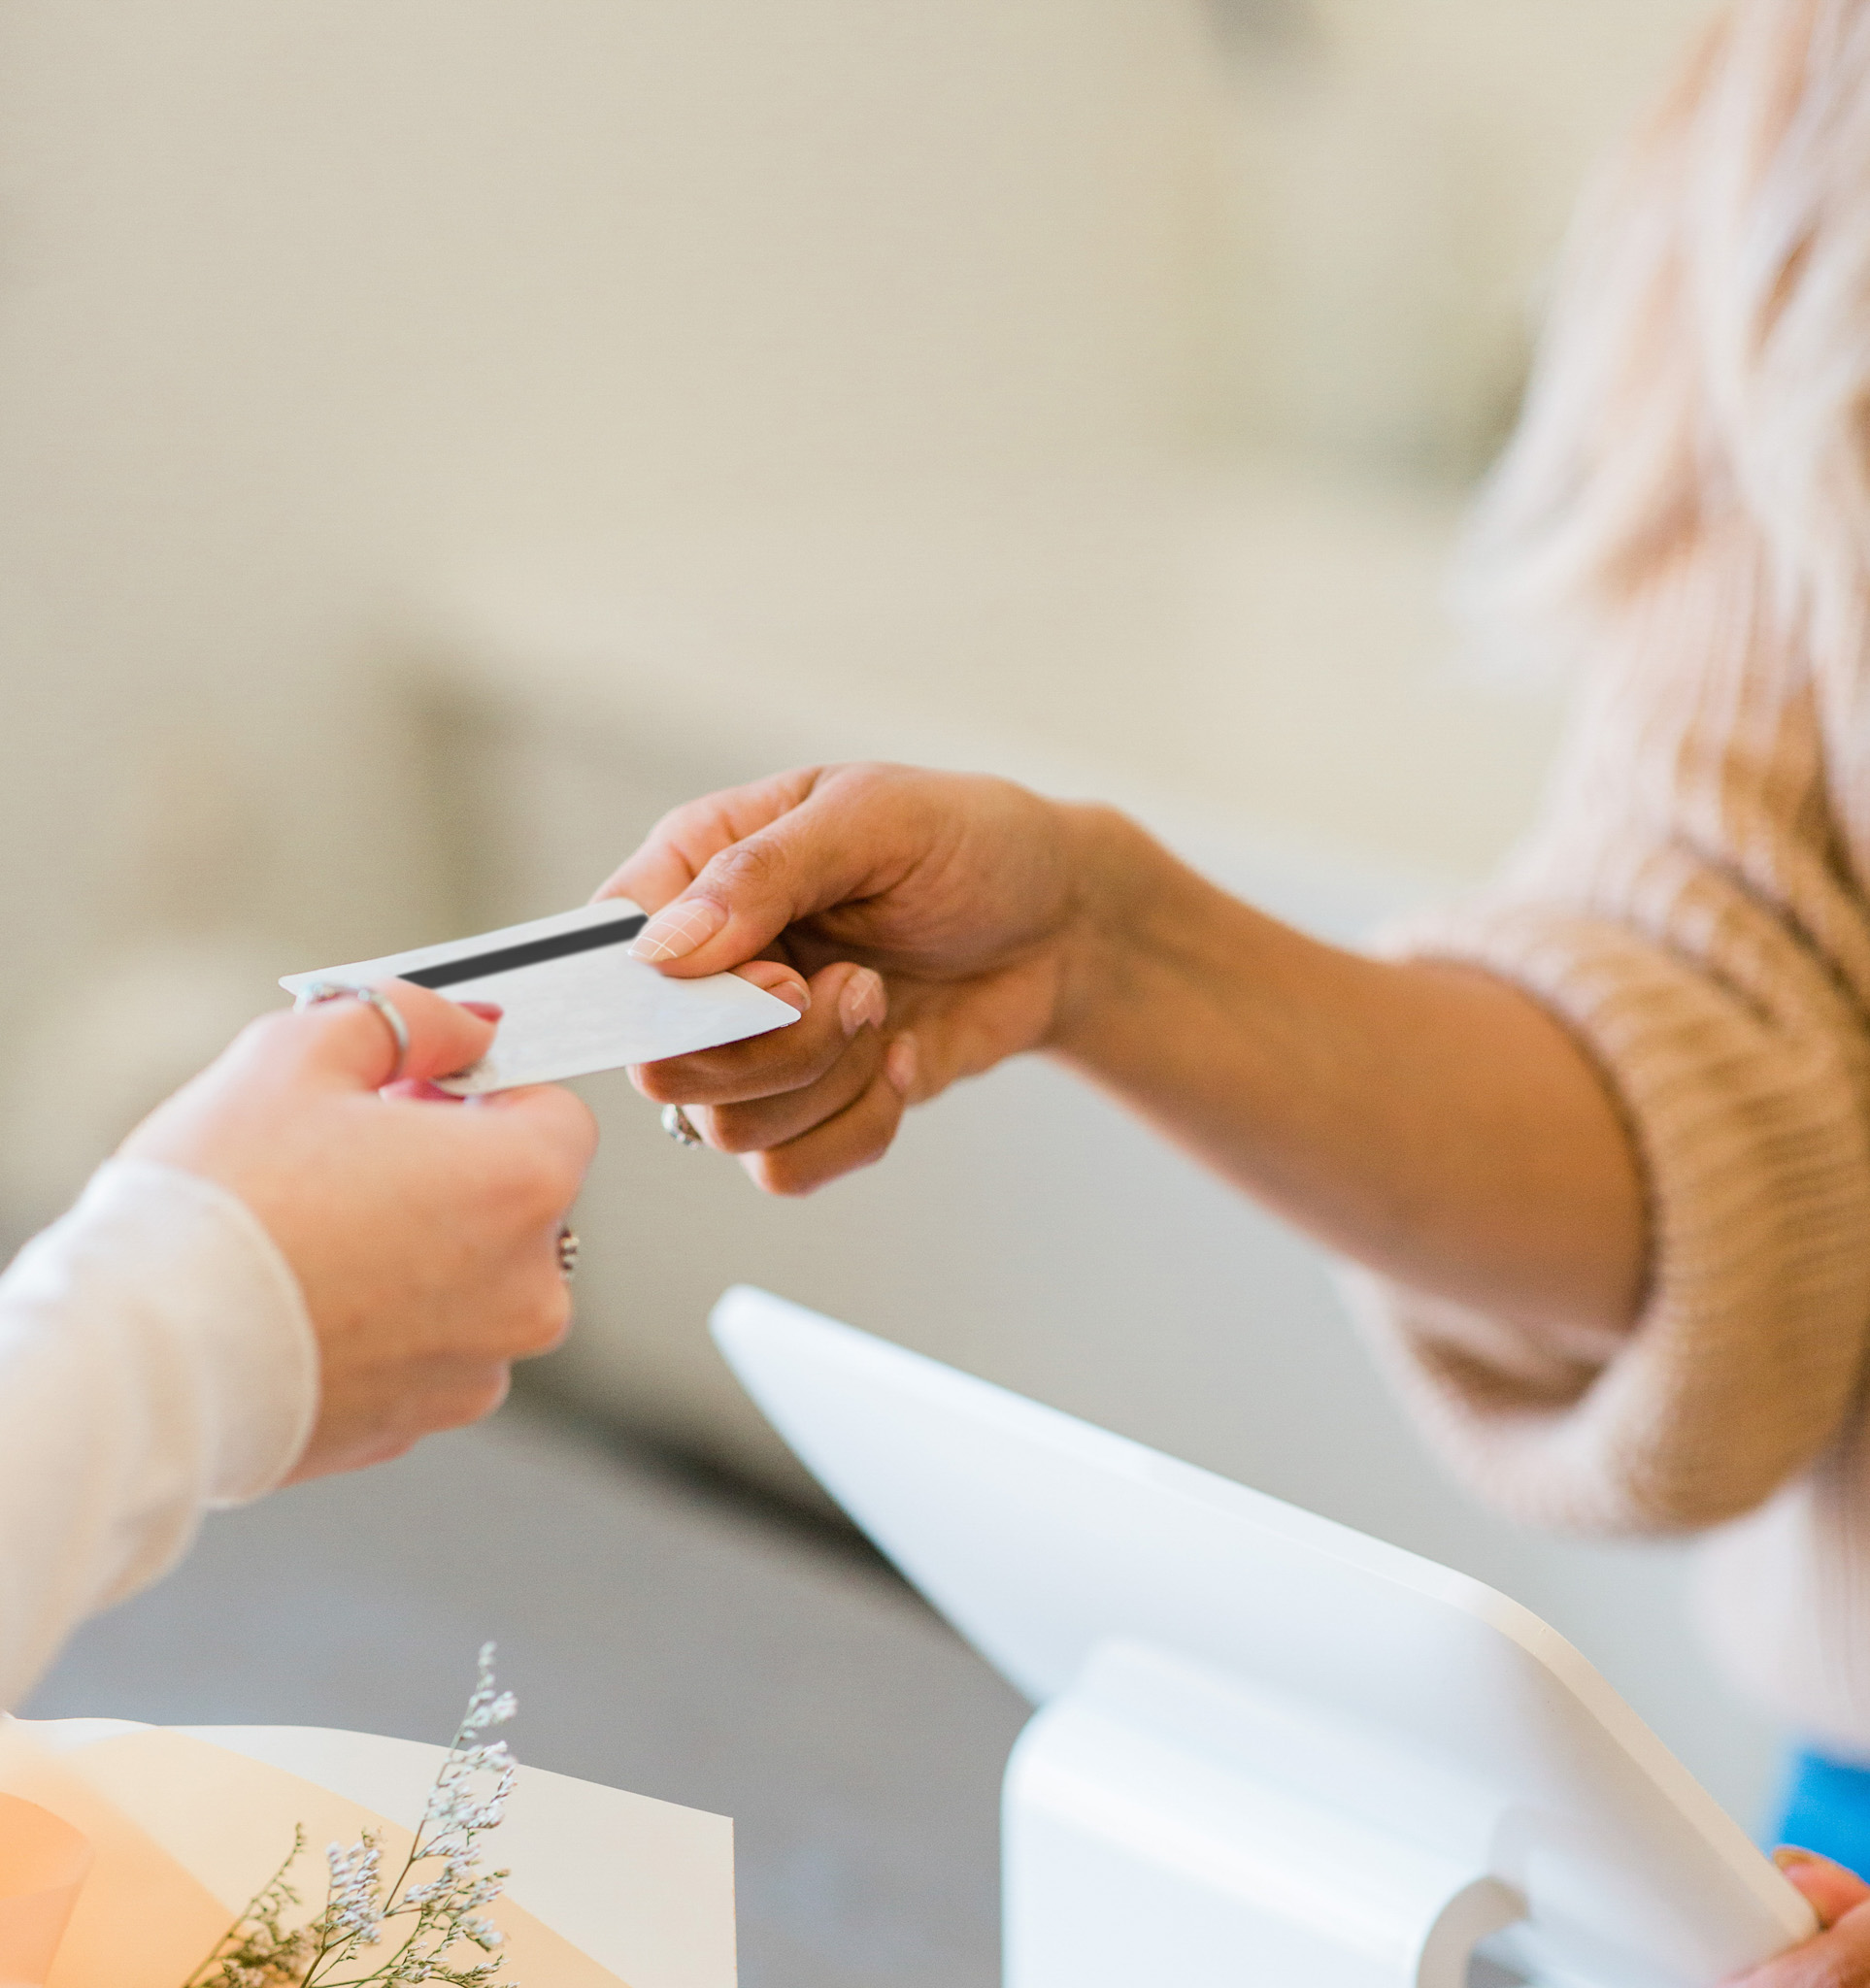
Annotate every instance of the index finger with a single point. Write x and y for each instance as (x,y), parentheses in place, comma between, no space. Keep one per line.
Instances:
(677,849)
(349,1040)
(757,859)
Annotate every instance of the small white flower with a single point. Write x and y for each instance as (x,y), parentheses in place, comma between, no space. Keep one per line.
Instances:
(434,1904)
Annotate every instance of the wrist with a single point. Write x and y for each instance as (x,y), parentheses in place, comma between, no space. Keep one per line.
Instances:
(1121,877)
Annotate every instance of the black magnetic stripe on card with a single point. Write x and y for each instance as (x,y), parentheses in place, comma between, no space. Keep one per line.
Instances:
(560,945)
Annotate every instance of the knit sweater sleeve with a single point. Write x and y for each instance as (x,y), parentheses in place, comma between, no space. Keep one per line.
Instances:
(1688,910)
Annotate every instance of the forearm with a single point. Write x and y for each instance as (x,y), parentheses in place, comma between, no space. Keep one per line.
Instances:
(1429,1120)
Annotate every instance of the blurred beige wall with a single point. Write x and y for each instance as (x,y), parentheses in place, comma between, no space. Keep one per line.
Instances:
(295,299)
(1403,171)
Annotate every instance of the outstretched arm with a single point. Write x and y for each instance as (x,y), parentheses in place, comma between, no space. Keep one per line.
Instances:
(1432,1121)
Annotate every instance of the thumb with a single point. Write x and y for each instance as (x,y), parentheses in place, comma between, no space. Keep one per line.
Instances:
(750,862)
(352,1043)
(1829,1888)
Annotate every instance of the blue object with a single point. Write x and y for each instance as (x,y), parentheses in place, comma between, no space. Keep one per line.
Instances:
(1824,1805)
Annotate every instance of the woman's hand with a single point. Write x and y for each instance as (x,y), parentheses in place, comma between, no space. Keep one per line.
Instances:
(927,923)
(422,1230)
(1839,1957)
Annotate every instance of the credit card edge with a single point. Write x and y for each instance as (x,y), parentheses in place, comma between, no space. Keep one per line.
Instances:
(453,1087)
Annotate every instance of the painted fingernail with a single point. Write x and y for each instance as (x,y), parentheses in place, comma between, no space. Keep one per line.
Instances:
(679,929)
(487,1011)
(901,1063)
(862,1001)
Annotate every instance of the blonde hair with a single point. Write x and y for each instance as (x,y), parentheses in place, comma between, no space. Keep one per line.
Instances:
(1708,359)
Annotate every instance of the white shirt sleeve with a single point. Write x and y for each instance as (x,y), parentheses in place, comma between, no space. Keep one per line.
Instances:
(157,1361)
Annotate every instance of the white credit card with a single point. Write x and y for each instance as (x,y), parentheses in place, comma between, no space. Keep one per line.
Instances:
(575,1000)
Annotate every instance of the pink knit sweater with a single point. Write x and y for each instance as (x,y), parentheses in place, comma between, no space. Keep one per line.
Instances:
(1695,906)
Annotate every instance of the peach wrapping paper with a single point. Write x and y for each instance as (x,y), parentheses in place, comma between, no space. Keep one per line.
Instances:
(43,1862)
(184,1834)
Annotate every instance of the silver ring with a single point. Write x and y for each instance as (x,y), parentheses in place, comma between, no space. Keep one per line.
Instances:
(568,1253)
(674,1122)
(315,991)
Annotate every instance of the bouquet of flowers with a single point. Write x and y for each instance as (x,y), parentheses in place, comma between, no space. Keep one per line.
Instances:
(433,1908)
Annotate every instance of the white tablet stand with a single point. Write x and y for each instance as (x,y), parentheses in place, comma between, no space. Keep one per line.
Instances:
(1269,1750)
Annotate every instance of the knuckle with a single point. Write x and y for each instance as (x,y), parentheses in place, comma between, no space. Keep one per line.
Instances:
(866,777)
(558,1172)
(811,1048)
(584,1123)
(659,1083)
(748,867)
(781,1174)
(269,1037)
(788,1060)
(469,1395)
(547,1321)
(871,1147)
(665,831)
(480,1397)
(682,824)
(280,1022)
(537,1196)
(567,1176)
(733,1128)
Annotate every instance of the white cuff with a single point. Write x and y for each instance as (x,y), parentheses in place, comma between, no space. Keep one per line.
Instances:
(156,1360)
(193,1262)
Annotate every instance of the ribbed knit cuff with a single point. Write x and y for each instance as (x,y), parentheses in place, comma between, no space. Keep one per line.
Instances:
(1750,1129)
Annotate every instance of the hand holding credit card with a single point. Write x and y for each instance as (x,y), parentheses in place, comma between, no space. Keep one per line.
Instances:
(575,1000)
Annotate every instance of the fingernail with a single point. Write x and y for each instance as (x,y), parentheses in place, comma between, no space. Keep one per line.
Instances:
(680,929)
(795,993)
(1790,1859)
(487,1011)
(900,1065)
(862,1001)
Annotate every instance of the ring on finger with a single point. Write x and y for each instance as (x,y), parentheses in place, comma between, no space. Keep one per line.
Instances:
(677,1123)
(316,991)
